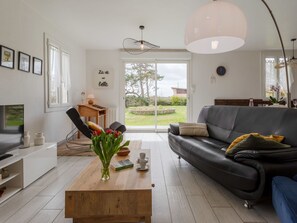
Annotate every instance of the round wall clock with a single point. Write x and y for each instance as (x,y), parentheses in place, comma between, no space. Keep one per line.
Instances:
(221,70)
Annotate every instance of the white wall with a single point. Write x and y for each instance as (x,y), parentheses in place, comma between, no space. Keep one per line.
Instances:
(242,80)
(22,30)
(104,59)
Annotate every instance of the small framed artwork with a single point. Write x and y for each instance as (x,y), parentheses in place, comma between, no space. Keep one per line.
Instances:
(6,57)
(37,66)
(24,62)
(103,78)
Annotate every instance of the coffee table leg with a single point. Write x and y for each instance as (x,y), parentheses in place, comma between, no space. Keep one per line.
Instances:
(147,219)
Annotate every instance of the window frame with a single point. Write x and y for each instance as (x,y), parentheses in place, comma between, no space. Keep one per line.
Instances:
(277,55)
(60,106)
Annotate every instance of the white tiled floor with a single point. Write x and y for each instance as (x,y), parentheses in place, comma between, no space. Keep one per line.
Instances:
(182,193)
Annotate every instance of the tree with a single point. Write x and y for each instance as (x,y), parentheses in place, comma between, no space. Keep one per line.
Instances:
(140,81)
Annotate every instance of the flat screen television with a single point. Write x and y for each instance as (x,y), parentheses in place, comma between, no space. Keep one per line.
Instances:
(11,127)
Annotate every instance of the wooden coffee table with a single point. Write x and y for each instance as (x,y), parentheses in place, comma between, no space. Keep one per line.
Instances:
(125,197)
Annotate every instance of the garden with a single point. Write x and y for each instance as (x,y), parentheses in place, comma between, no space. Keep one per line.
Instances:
(140,98)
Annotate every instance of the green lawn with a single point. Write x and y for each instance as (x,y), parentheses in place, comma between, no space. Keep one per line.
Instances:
(143,120)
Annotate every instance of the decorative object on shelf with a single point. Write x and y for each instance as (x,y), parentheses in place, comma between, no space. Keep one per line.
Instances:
(39,139)
(136,47)
(90,98)
(103,78)
(24,61)
(5,173)
(122,164)
(26,139)
(6,57)
(106,144)
(225,31)
(142,161)
(276,98)
(123,151)
(37,66)
(292,61)
(221,70)
(83,97)
(251,102)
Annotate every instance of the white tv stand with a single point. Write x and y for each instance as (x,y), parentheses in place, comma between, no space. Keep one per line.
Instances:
(26,166)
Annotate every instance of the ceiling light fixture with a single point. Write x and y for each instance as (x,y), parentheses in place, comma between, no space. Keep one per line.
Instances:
(219,27)
(136,47)
(216,27)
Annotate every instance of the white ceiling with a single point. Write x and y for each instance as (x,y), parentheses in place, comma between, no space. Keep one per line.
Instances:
(103,24)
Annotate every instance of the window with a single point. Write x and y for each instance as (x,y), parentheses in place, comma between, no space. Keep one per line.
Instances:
(57,75)
(274,77)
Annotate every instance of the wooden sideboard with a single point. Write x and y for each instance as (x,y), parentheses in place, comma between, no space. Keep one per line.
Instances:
(241,102)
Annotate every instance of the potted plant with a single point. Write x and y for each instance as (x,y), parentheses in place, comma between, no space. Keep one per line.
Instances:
(105,144)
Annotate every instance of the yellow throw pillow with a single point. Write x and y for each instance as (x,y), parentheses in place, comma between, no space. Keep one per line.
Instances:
(256,142)
(93,126)
(276,138)
(193,129)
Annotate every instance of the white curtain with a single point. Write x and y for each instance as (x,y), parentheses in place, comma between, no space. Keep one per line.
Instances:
(54,71)
(66,70)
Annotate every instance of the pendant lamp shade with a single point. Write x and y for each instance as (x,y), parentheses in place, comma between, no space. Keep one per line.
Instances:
(216,27)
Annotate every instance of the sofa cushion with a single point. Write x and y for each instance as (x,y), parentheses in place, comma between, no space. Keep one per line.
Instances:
(174,129)
(226,123)
(93,126)
(284,198)
(212,161)
(254,141)
(193,129)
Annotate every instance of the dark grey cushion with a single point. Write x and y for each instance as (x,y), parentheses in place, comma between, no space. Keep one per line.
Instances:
(174,129)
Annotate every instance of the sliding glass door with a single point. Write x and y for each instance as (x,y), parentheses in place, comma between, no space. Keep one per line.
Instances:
(155,95)
(171,95)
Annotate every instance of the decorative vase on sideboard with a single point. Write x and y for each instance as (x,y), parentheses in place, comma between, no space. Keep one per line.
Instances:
(26,139)
(39,139)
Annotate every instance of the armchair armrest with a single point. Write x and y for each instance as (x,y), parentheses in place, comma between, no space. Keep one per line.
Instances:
(174,129)
(275,155)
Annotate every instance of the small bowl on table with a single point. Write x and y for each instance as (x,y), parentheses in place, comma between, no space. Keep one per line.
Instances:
(124,151)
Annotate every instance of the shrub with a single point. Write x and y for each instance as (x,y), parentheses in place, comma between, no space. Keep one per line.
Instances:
(150,110)
(175,100)
(164,101)
(133,101)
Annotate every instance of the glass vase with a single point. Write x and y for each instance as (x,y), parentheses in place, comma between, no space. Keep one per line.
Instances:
(105,174)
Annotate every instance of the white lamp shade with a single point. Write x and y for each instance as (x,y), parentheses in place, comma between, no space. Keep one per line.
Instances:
(216,27)
(91,96)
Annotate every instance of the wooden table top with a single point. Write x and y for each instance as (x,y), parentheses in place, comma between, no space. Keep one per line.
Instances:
(127,179)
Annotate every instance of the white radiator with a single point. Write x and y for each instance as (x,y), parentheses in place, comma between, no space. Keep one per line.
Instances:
(111,116)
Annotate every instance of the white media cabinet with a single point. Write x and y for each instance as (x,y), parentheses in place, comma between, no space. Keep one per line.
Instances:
(26,166)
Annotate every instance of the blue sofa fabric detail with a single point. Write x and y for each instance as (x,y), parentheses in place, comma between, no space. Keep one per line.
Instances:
(284,198)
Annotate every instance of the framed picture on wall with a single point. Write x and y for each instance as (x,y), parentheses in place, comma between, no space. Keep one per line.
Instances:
(6,57)
(37,66)
(24,62)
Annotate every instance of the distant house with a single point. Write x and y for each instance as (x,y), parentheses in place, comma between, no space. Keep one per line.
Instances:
(180,92)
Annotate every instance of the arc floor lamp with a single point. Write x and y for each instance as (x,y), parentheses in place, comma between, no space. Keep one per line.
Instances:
(219,27)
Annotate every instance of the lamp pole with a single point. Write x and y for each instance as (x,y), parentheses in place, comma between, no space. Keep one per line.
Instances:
(284,54)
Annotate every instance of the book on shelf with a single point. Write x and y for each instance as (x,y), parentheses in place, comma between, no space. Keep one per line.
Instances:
(123,164)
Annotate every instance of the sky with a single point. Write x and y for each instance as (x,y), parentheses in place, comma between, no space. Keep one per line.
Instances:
(175,75)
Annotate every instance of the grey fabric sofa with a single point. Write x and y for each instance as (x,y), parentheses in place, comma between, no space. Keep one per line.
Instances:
(249,173)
